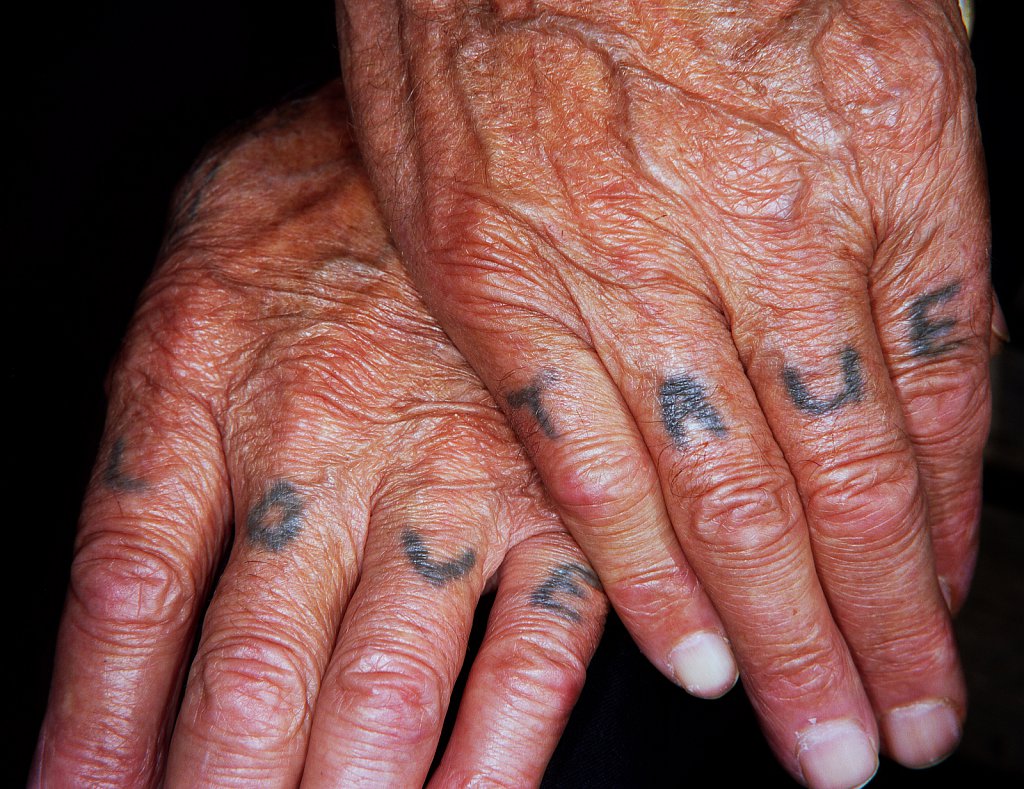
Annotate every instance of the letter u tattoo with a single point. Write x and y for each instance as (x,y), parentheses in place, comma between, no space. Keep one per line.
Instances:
(852,391)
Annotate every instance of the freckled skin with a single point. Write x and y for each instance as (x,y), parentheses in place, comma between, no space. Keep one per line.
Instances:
(852,391)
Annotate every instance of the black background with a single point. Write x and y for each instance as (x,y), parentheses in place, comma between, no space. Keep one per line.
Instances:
(110,102)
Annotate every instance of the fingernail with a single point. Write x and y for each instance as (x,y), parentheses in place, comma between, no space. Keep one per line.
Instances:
(999,327)
(967,14)
(704,665)
(922,734)
(836,755)
(947,592)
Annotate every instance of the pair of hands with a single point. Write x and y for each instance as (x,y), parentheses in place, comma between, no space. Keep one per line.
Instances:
(739,319)
(735,254)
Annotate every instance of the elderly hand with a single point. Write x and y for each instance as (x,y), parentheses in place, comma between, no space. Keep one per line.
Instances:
(724,265)
(281,373)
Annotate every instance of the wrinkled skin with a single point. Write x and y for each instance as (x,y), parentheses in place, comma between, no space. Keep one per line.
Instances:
(725,266)
(281,374)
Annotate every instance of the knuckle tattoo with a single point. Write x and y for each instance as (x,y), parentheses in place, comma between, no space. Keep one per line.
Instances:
(562,580)
(277,518)
(928,335)
(114,474)
(684,400)
(852,391)
(437,572)
(530,398)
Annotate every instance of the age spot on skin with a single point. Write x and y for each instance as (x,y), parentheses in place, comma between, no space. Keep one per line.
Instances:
(277,517)
(852,391)
(562,581)
(437,573)
(529,397)
(114,474)
(926,334)
(684,400)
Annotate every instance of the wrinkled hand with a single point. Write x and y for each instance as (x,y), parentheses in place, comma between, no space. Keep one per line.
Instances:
(724,264)
(281,373)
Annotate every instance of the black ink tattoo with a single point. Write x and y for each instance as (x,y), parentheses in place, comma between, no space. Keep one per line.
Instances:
(852,391)
(683,399)
(529,398)
(114,474)
(438,573)
(277,517)
(562,580)
(926,335)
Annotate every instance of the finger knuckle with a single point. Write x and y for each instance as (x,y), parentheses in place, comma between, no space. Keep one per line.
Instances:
(811,669)
(867,499)
(602,482)
(395,700)
(947,407)
(473,778)
(910,649)
(538,675)
(742,509)
(106,757)
(253,689)
(131,587)
(651,595)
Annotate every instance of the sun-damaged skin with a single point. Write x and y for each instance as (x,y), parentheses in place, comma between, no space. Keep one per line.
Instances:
(725,265)
(281,374)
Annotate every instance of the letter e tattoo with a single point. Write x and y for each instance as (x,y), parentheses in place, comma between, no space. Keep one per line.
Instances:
(925,332)
(562,580)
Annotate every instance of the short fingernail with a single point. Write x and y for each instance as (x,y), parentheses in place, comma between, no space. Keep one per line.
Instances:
(922,734)
(999,327)
(836,755)
(947,592)
(704,665)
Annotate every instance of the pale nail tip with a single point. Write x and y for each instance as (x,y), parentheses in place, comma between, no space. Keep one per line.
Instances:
(921,735)
(837,755)
(947,592)
(1002,333)
(703,664)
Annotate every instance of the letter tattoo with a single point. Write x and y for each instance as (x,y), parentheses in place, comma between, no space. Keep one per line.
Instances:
(926,334)
(852,391)
(562,580)
(683,399)
(438,573)
(277,517)
(529,398)
(114,474)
